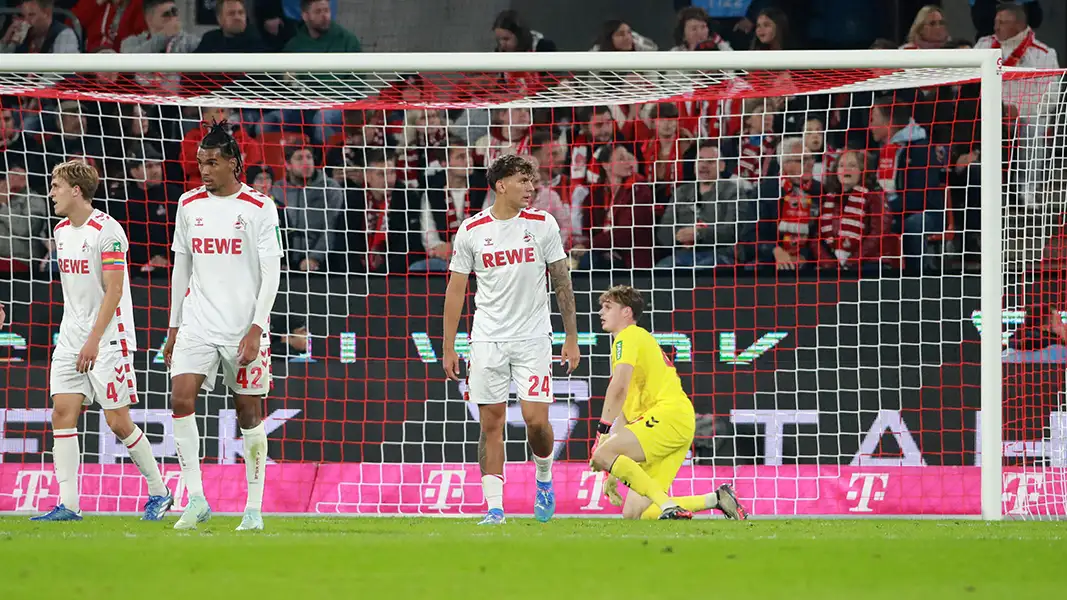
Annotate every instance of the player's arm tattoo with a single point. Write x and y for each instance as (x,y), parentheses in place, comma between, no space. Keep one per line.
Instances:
(560,272)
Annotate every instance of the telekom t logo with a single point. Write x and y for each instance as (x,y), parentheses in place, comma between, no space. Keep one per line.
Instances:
(1027,491)
(31,487)
(594,492)
(449,485)
(867,493)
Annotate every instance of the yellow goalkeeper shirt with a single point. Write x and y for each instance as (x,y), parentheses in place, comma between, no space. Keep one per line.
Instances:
(655,380)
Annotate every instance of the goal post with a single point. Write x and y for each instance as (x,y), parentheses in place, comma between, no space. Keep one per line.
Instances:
(817,392)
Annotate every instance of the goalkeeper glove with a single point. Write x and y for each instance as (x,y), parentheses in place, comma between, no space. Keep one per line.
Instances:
(611,490)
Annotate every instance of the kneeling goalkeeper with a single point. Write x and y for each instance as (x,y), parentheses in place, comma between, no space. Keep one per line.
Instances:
(647,452)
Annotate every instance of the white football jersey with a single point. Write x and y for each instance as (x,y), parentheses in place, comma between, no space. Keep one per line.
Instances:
(509,259)
(226,237)
(84,253)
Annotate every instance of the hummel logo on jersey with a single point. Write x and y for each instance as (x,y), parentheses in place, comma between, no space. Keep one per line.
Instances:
(488,241)
(199,222)
(502,258)
(239,224)
(59,246)
(651,422)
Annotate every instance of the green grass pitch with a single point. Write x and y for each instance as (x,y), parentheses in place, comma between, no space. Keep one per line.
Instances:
(325,558)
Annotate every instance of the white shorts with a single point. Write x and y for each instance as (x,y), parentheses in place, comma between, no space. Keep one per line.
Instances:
(111,383)
(494,366)
(194,355)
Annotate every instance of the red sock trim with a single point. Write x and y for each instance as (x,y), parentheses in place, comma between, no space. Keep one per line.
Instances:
(500,477)
(177,416)
(139,438)
(66,435)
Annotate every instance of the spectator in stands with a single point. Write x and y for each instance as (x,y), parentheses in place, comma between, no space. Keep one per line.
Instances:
(546,198)
(458,191)
(37,31)
(617,36)
(929,29)
(150,208)
(233,34)
(592,146)
(513,35)
(314,208)
(381,231)
(107,23)
(693,27)
(319,32)
(815,145)
(855,226)
(1032,98)
(274,22)
(772,30)
(261,178)
(508,134)
(164,31)
(423,143)
(758,142)
(550,155)
(984,13)
(909,171)
(788,210)
(709,217)
(24,149)
(661,152)
(24,216)
(251,150)
(74,138)
(620,220)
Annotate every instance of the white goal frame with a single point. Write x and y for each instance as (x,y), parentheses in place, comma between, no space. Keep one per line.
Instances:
(983,65)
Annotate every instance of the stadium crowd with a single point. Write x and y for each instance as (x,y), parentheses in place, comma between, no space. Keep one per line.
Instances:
(862,182)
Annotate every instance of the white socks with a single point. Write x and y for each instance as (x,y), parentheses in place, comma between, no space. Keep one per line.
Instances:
(255,440)
(141,454)
(493,490)
(544,468)
(187,444)
(66,457)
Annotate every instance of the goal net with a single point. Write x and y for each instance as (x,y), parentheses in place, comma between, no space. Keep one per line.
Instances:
(824,241)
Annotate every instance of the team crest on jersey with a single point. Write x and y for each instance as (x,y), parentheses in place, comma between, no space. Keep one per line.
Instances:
(85,246)
(527,236)
(199,222)
(240,224)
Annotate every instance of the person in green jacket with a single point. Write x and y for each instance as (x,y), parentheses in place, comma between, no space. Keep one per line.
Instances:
(318,32)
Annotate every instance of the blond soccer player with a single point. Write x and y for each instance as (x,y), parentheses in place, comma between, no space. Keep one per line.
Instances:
(656,417)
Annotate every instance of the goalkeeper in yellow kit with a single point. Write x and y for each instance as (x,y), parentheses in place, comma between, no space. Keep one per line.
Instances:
(658,422)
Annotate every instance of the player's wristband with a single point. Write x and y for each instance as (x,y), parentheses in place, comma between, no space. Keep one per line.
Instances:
(603,426)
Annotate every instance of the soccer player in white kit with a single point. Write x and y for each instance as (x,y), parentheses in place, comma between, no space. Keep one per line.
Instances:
(227,266)
(92,359)
(509,247)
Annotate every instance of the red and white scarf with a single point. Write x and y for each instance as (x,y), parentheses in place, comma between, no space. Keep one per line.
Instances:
(377,222)
(794,215)
(1017,55)
(842,220)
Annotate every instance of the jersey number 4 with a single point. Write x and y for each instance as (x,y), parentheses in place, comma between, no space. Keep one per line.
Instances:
(242,376)
(539,385)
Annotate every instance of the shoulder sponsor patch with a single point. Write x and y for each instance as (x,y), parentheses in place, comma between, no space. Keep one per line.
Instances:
(116,246)
(618,350)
